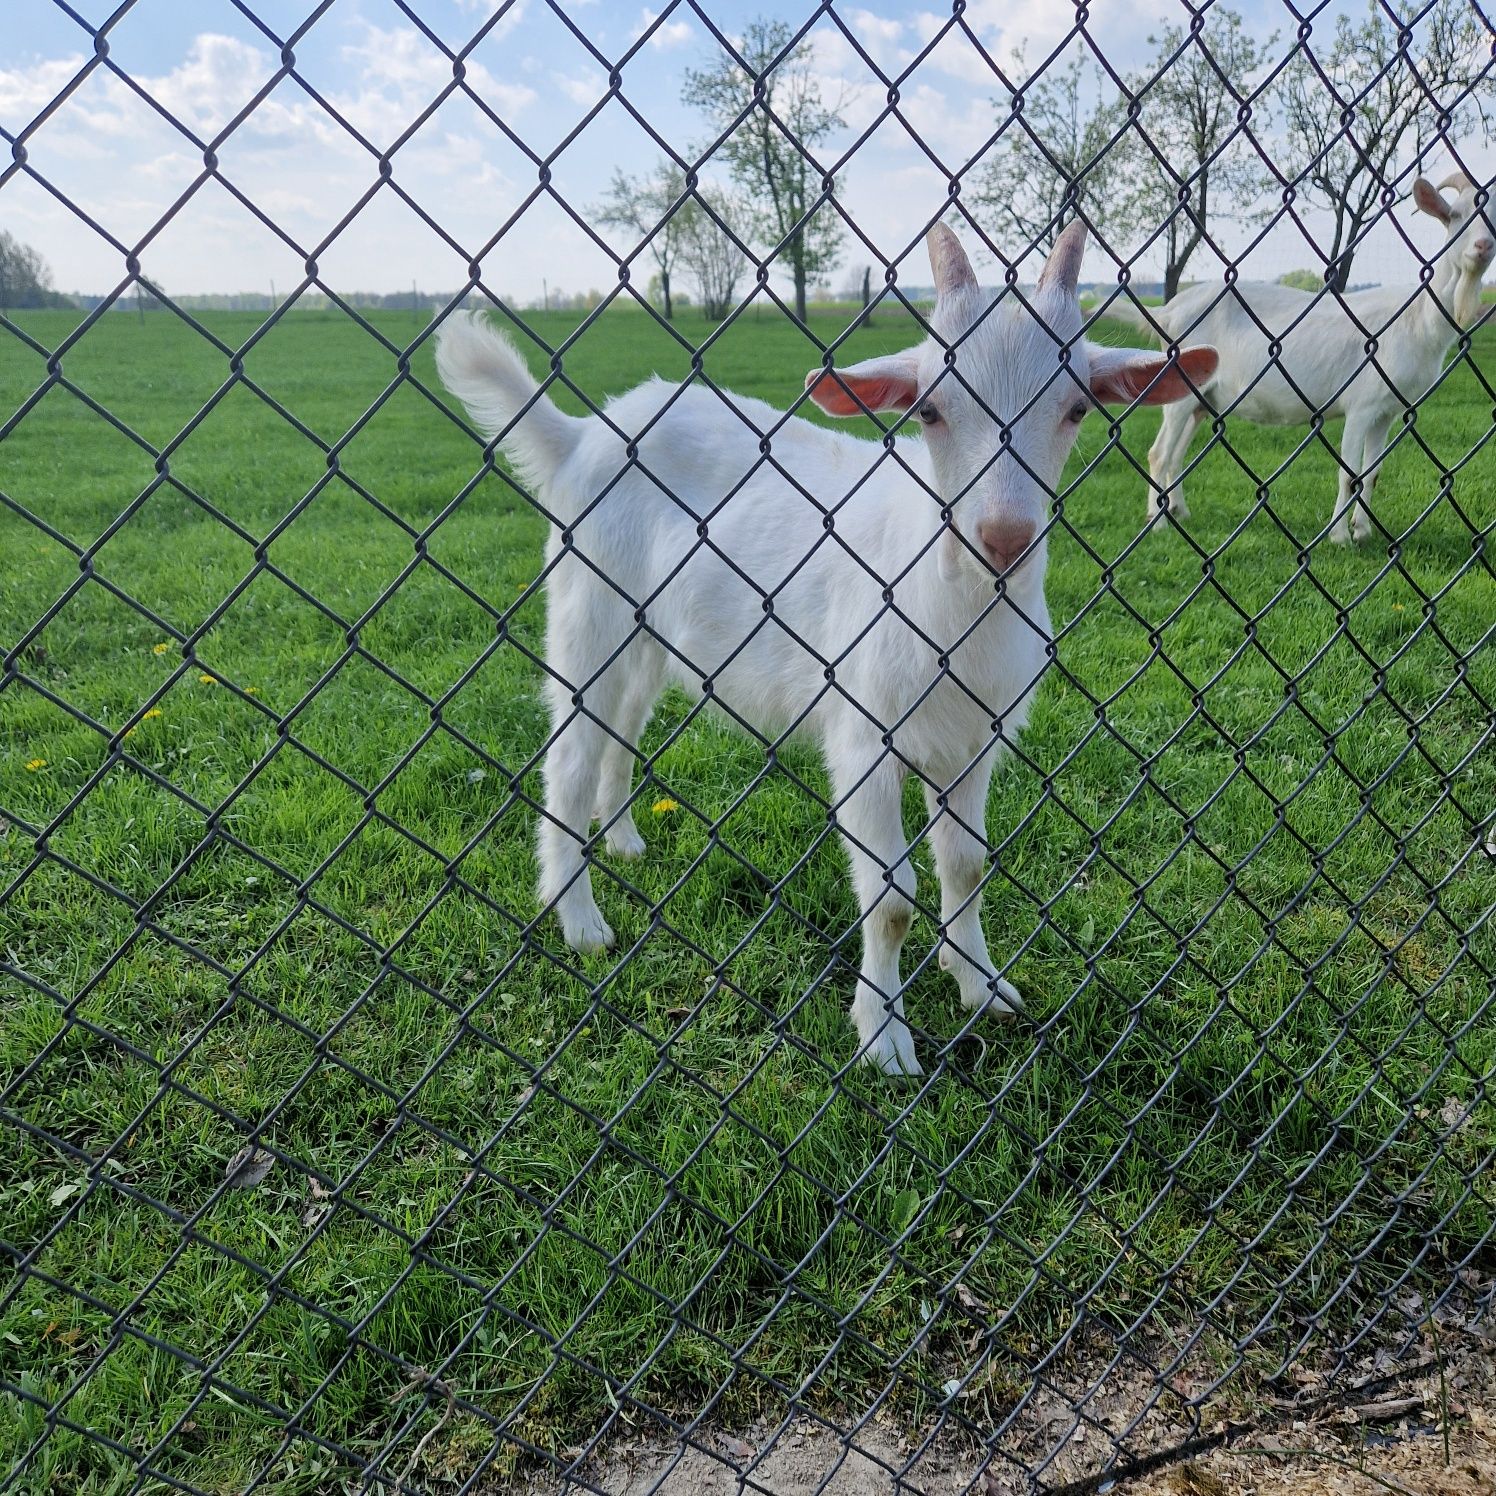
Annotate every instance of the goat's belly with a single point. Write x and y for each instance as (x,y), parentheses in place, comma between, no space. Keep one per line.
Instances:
(762,680)
(1273,401)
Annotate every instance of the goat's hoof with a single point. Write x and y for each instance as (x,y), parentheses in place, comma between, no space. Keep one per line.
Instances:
(998,998)
(623,840)
(891,1051)
(1341,534)
(588,932)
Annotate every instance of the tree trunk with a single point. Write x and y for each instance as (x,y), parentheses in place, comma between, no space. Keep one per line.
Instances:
(800,289)
(1173,274)
(867,296)
(665,292)
(1344,235)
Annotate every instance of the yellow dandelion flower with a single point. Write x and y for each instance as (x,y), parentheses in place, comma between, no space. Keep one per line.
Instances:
(251,690)
(33,764)
(664,807)
(126,733)
(1397,607)
(208,680)
(155,711)
(160,649)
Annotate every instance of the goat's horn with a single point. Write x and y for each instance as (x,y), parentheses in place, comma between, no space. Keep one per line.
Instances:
(948,261)
(1062,268)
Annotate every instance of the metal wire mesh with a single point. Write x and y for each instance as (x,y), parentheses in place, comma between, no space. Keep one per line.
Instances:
(1240,1142)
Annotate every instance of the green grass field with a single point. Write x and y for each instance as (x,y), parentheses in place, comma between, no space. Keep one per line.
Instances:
(1241,859)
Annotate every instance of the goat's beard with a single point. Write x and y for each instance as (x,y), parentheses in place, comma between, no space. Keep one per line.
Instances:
(1467,294)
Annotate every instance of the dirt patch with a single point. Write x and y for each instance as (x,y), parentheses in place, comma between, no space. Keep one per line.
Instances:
(1326,1464)
(1419,1422)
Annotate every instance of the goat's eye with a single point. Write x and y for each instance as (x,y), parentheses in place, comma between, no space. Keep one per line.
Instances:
(929,415)
(1077,412)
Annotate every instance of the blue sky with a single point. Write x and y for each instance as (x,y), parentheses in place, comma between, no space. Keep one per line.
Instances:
(109,152)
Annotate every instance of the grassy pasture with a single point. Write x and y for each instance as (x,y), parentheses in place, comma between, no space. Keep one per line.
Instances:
(1240,869)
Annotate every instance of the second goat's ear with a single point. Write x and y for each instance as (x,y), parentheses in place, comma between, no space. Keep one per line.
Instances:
(877,384)
(1430,200)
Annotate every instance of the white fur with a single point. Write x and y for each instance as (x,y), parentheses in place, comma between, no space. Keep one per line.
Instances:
(765,536)
(1323,341)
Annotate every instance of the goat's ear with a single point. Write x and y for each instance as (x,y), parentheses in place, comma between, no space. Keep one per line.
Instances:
(1120,376)
(877,384)
(1430,200)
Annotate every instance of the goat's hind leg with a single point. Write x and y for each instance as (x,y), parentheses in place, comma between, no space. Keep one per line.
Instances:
(577,644)
(1166,457)
(643,666)
(1373,450)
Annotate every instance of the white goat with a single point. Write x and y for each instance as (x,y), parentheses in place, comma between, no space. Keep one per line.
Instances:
(1324,367)
(796,630)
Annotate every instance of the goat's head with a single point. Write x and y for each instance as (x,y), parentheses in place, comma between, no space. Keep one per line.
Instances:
(1000,390)
(1470,239)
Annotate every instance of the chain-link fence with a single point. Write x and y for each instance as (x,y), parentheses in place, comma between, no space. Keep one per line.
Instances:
(338,1160)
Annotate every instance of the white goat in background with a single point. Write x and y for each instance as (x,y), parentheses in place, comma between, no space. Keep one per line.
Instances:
(1324,367)
(800,601)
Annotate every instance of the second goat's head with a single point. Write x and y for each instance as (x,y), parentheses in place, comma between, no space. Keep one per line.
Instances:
(1000,391)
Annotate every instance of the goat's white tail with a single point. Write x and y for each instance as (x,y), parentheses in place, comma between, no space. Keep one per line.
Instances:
(485,371)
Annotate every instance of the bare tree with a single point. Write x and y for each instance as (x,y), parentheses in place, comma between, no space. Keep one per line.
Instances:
(650,206)
(1053,154)
(708,250)
(1394,95)
(1188,159)
(25,280)
(767,149)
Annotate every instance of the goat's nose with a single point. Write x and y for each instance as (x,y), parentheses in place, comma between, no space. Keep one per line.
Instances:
(1005,540)
(1483,247)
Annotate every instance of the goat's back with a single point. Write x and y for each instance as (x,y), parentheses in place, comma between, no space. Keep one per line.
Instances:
(759,571)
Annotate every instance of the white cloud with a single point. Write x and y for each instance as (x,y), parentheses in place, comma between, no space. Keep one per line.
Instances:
(219,77)
(880,37)
(585,90)
(507,22)
(672,34)
(25,90)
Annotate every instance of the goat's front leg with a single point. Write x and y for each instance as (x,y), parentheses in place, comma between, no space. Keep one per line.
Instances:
(1351,520)
(958,837)
(869,813)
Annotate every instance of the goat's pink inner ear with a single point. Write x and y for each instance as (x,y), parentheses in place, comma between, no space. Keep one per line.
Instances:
(1430,200)
(1120,376)
(879,384)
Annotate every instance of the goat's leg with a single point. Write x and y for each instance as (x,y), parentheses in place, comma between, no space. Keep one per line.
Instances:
(578,640)
(958,837)
(1166,457)
(643,668)
(1373,450)
(1350,520)
(869,813)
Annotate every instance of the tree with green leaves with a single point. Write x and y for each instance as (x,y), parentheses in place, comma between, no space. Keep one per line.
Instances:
(25,280)
(653,207)
(712,223)
(1395,95)
(767,145)
(1054,153)
(1187,158)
